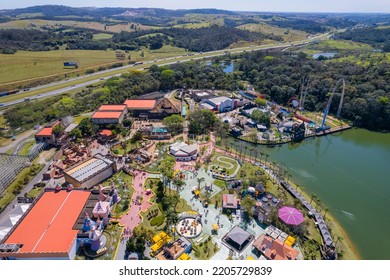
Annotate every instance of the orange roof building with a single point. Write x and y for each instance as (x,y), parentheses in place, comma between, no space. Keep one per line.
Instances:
(106,133)
(46,135)
(274,249)
(109,114)
(47,231)
(140,104)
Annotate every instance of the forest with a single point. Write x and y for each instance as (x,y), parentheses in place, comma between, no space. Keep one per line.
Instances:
(377,37)
(275,74)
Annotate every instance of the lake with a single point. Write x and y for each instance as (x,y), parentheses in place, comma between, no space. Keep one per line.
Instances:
(349,172)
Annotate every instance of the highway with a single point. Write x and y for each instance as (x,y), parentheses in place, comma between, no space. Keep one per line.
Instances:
(86,80)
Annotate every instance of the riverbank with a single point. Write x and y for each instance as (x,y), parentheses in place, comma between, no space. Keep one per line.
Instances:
(346,249)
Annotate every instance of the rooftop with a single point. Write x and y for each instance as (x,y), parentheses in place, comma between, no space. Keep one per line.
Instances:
(106,115)
(46,131)
(275,249)
(229,201)
(86,169)
(219,100)
(48,227)
(119,107)
(140,104)
(105,132)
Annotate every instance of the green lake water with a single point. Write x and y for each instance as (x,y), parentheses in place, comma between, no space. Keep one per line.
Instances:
(349,172)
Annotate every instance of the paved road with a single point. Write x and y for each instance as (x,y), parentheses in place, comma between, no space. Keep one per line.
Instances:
(16,142)
(160,62)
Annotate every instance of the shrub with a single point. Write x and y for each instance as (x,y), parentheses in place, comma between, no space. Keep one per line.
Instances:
(157,221)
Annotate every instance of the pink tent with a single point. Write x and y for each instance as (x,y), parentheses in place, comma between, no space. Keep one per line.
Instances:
(290,216)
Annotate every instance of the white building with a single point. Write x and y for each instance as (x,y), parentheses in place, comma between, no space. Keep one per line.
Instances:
(183,152)
(91,172)
(221,103)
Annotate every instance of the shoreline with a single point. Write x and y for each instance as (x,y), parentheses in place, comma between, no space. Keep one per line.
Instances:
(350,248)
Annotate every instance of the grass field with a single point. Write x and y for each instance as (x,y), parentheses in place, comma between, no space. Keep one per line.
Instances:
(37,23)
(286,34)
(193,25)
(102,36)
(339,45)
(26,148)
(27,65)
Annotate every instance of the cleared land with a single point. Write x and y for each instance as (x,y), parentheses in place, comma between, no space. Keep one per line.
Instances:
(285,33)
(193,25)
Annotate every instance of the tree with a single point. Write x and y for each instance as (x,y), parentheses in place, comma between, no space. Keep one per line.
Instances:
(58,130)
(137,137)
(221,129)
(248,204)
(87,128)
(76,134)
(201,121)
(261,118)
(166,169)
(174,124)
(260,102)
(200,180)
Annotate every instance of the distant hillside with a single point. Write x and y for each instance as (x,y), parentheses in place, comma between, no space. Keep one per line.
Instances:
(60,11)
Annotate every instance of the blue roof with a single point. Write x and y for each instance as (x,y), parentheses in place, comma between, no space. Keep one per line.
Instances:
(183,111)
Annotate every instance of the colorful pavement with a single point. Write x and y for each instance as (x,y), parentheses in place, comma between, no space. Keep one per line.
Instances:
(133,218)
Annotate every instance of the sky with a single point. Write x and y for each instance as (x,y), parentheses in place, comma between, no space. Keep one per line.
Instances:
(341,6)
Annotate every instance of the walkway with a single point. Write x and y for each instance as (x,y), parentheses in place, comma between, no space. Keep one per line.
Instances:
(323,228)
(133,218)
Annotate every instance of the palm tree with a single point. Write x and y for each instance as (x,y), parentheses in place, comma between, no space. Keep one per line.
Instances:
(200,180)
(313,197)
(326,211)
(179,184)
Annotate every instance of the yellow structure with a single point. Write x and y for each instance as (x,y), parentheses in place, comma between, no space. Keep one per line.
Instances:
(159,241)
(250,258)
(289,241)
(184,257)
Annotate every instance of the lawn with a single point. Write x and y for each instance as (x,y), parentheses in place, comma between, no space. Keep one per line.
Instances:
(124,185)
(79,118)
(221,162)
(8,194)
(340,45)
(26,148)
(34,192)
(285,33)
(205,250)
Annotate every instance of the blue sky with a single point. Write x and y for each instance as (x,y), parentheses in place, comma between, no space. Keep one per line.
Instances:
(382,6)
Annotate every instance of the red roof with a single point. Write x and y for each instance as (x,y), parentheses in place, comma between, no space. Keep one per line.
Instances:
(106,132)
(119,107)
(141,104)
(106,115)
(275,249)
(229,201)
(47,228)
(46,131)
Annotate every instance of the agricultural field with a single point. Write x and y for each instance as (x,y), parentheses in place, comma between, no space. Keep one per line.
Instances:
(285,33)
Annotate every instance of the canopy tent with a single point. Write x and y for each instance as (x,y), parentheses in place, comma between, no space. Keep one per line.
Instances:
(7,223)
(290,216)
(251,189)
(250,258)
(215,226)
(197,192)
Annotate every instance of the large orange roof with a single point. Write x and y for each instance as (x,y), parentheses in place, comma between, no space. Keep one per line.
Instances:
(142,104)
(106,115)
(119,107)
(47,228)
(46,131)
